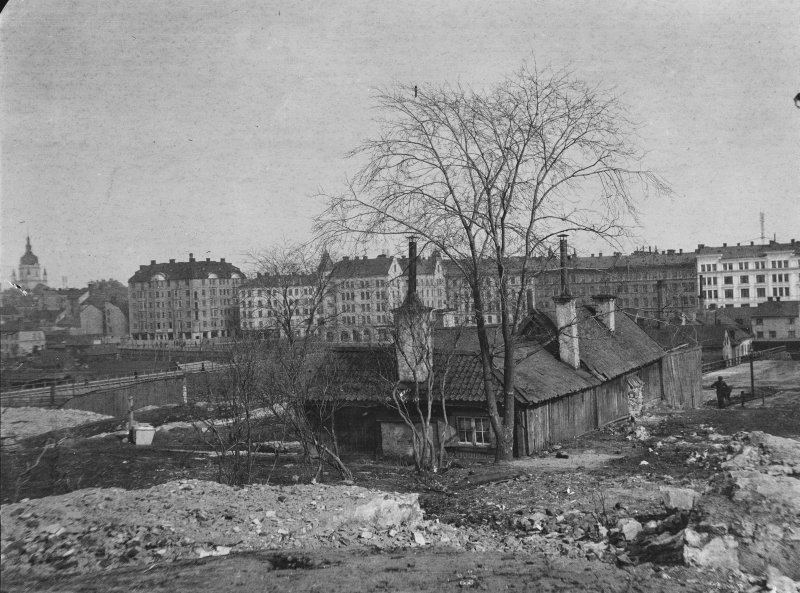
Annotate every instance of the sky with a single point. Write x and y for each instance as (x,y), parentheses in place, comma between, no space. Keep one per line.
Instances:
(141,130)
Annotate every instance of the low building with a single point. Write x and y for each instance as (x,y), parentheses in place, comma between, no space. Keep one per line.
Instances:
(776,321)
(16,341)
(577,369)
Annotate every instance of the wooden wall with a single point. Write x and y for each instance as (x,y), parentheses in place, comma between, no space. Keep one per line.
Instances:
(570,416)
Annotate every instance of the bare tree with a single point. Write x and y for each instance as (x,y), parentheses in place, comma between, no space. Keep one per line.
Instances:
(490,177)
(289,298)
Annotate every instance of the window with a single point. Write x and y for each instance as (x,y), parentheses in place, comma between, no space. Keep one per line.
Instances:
(744,279)
(759,335)
(743,265)
(773,334)
(728,280)
(791,334)
(729,293)
(759,321)
(761,292)
(473,431)
(745,292)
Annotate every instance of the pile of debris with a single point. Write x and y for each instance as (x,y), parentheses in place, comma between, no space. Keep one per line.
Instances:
(96,529)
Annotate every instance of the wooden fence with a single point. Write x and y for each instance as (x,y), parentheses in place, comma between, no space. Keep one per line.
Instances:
(769,354)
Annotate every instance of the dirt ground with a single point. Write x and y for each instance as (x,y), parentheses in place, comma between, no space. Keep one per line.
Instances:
(102,515)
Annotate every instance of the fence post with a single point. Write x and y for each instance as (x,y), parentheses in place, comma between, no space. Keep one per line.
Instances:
(752,380)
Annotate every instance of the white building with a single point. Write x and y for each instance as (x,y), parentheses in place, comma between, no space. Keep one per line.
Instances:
(746,275)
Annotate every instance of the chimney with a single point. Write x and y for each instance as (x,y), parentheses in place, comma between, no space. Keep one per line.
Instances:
(152,262)
(564,278)
(191,257)
(661,298)
(172,261)
(606,307)
(222,260)
(530,299)
(413,326)
(412,269)
(724,244)
(680,251)
(566,316)
(208,259)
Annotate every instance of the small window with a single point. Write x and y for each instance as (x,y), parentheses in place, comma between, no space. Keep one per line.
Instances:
(759,321)
(473,431)
(773,334)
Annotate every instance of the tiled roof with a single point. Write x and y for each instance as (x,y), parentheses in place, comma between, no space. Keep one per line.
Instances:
(365,373)
(185,270)
(369,373)
(777,309)
(362,267)
(732,251)
(280,281)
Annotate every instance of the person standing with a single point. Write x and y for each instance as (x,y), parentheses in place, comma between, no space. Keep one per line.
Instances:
(723,392)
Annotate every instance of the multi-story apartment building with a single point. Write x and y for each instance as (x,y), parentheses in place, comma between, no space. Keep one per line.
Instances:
(178,301)
(347,301)
(648,284)
(277,304)
(653,284)
(746,275)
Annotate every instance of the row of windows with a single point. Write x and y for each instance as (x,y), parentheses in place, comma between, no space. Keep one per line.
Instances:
(179,283)
(745,293)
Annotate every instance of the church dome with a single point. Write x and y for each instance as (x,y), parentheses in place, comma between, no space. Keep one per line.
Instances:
(29,259)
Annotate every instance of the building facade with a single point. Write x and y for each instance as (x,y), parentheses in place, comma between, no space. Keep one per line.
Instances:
(177,301)
(747,275)
(348,301)
(776,321)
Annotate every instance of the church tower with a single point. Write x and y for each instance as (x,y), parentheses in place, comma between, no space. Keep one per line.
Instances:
(30,273)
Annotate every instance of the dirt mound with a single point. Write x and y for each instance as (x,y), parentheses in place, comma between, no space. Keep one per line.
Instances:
(99,528)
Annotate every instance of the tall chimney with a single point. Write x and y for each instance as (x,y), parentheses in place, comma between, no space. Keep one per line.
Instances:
(566,316)
(564,279)
(412,268)
(413,327)
(660,299)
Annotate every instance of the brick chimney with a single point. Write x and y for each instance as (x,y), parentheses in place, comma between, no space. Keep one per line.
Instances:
(567,316)
(413,327)
(606,305)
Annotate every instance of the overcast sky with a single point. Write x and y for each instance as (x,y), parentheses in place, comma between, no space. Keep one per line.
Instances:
(139,130)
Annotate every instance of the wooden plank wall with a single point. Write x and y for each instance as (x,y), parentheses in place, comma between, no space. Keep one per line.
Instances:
(682,372)
(576,414)
(612,401)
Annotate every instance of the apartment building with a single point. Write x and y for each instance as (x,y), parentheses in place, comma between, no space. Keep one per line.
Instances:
(346,301)
(191,300)
(653,284)
(276,304)
(747,275)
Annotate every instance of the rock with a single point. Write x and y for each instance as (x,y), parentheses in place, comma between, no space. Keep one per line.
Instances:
(384,511)
(779,583)
(630,528)
(419,539)
(679,499)
(720,552)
